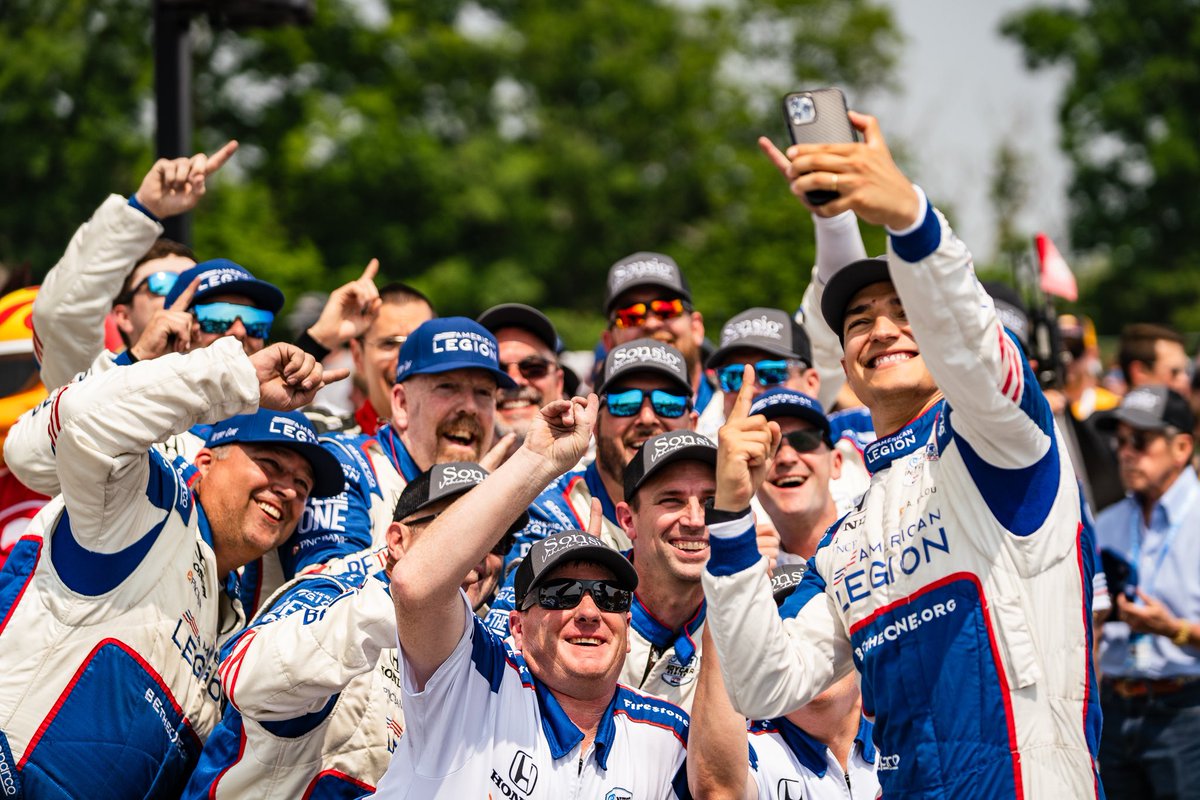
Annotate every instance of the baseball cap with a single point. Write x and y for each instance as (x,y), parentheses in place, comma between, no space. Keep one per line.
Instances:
(288,429)
(1150,408)
(770,330)
(666,448)
(222,276)
(779,402)
(785,579)
(644,269)
(645,356)
(1010,309)
(519,315)
(846,283)
(449,343)
(563,548)
(440,482)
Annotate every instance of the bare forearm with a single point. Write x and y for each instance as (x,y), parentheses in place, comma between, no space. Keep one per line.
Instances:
(718,766)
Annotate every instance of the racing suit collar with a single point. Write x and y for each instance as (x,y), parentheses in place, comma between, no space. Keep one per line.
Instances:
(393,447)
(563,735)
(880,453)
(811,753)
(591,477)
(662,637)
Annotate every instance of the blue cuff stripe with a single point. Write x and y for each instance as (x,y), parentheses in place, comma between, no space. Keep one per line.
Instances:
(922,242)
(729,556)
(133,201)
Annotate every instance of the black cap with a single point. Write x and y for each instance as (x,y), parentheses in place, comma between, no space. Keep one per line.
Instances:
(779,402)
(440,482)
(846,283)
(770,330)
(645,356)
(1010,309)
(1151,408)
(785,579)
(563,548)
(519,315)
(644,269)
(663,449)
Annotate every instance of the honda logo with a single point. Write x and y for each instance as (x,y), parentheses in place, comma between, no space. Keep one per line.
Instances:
(789,789)
(523,772)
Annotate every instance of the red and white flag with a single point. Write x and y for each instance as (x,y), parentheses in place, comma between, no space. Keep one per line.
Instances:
(1057,278)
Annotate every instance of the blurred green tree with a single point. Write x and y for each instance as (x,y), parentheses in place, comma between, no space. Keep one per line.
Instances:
(1130,129)
(484,150)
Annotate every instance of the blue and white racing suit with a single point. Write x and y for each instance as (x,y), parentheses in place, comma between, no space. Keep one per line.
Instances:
(959,588)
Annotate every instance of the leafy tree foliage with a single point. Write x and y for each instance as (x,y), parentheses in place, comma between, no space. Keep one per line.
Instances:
(486,151)
(1130,129)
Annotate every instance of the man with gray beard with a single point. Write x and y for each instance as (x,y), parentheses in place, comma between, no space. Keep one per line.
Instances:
(527,344)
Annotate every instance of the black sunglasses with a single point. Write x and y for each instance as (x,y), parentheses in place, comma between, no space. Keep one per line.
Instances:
(804,441)
(566,593)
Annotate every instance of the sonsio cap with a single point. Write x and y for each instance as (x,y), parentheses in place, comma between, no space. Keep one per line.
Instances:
(769,330)
(666,448)
(519,315)
(288,429)
(222,276)
(1151,408)
(644,269)
(642,356)
(449,343)
(785,579)
(846,283)
(563,548)
(440,482)
(777,402)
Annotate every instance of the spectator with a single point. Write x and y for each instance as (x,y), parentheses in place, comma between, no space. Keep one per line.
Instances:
(529,347)
(1083,368)
(136,589)
(823,750)
(1152,355)
(965,551)
(550,714)
(1150,655)
(314,683)
(648,298)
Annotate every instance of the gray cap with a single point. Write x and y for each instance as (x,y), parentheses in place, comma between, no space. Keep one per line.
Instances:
(785,579)
(562,548)
(770,330)
(527,318)
(1151,408)
(666,448)
(645,356)
(644,269)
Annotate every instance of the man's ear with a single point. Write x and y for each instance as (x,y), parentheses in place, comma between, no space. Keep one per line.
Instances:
(400,407)
(812,382)
(203,461)
(606,338)
(356,356)
(515,628)
(698,331)
(397,541)
(835,464)
(120,314)
(1139,373)
(625,520)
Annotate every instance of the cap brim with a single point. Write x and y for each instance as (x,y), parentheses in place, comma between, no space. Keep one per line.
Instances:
(692,452)
(846,283)
(262,294)
(760,345)
(518,315)
(328,478)
(1131,417)
(809,415)
(622,569)
(646,370)
(503,381)
(638,284)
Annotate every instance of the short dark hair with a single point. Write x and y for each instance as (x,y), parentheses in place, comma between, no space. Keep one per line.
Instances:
(402,294)
(1138,343)
(161,248)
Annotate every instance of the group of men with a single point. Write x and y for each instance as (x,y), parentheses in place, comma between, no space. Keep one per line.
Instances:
(689,581)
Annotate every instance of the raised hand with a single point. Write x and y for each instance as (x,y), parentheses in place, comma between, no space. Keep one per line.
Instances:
(350,310)
(289,378)
(174,186)
(561,431)
(595,525)
(745,444)
(169,330)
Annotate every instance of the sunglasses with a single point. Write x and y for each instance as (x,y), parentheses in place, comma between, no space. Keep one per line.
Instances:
(1140,440)
(768,372)
(566,593)
(531,367)
(628,402)
(219,318)
(500,548)
(805,441)
(159,283)
(634,316)
(390,344)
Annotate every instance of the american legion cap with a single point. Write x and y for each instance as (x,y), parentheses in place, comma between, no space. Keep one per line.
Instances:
(222,276)
(290,430)
(449,343)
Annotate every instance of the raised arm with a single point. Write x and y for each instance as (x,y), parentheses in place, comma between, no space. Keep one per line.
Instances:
(717,763)
(425,581)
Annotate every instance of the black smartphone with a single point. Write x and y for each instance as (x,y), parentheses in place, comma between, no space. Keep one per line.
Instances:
(1120,575)
(818,116)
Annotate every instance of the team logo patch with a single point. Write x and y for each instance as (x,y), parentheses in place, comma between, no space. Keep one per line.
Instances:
(789,789)
(619,794)
(678,673)
(523,772)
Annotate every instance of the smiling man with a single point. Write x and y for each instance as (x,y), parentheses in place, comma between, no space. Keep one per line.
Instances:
(528,353)
(127,589)
(960,588)
(548,718)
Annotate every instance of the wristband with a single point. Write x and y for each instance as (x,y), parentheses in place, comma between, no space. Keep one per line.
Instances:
(715,516)
(1183,635)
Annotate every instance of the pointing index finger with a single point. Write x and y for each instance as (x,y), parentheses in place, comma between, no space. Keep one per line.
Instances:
(745,397)
(371,271)
(218,159)
(184,300)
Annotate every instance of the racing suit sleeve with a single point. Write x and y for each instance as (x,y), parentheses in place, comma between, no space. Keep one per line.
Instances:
(771,665)
(77,294)
(839,242)
(317,637)
(100,431)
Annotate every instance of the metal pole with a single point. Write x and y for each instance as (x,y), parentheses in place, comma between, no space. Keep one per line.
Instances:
(173,97)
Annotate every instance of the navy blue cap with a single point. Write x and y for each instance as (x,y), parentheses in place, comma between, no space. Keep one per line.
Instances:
(449,343)
(222,276)
(289,429)
(778,402)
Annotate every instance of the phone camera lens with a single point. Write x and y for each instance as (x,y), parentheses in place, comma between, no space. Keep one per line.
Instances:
(801,109)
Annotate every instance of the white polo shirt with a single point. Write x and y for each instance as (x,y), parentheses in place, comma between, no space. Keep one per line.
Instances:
(788,764)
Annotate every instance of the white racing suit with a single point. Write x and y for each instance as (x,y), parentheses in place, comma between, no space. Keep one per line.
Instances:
(960,588)
(111,620)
